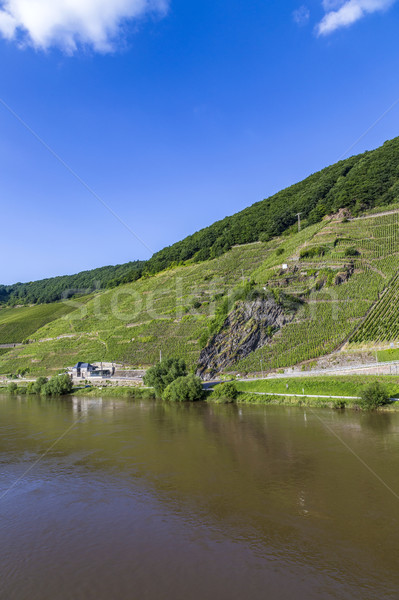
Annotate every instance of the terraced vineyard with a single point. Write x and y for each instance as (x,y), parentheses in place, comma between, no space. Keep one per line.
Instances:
(333,312)
(342,271)
(382,323)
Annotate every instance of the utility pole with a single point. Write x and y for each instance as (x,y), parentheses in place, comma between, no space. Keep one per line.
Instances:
(299,221)
(160,356)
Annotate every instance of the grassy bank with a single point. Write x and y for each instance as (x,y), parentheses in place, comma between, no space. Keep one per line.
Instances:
(115,392)
(246,398)
(349,385)
(93,392)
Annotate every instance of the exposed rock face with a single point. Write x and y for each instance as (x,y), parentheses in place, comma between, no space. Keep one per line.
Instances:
(344,276)
(249,326)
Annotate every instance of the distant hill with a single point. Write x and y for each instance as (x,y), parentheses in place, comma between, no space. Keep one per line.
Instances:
(66,286)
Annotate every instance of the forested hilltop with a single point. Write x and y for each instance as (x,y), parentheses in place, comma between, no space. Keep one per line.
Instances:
(66,286)
(359,183)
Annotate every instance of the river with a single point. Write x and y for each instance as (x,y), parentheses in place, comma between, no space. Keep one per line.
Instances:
(113,499)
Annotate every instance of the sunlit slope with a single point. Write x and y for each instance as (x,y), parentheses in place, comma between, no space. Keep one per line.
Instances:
(342,270)
(133,323)
(350,286)
(17,324)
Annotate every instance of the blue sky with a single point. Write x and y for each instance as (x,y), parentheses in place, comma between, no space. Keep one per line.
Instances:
(176,113)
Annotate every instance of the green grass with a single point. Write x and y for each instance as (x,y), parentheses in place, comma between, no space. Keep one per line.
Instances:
(115,392)
(350,385)
(388,355)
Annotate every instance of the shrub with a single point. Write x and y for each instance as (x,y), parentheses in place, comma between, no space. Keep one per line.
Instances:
(339,404)
(59,385)
(280,251)
(225,391)
(30,388)
(36,387)
(184,389)
(314,251)
(164,373)
(351,251)
(12,388)
(373,396)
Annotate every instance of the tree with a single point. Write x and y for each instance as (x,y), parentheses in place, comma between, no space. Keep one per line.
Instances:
(373,396)
(12,388)
(165,372)
(184,389)
(36,387)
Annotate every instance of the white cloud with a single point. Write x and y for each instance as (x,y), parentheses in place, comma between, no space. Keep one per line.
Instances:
(71,23)
(301,16)
(343,13)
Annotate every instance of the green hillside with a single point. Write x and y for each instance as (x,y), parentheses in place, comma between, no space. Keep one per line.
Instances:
(359,183)
(17,324)
(268,297)
(339,270)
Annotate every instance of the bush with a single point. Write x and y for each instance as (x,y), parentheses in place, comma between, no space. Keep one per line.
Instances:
(59,385)
(164,373)
(351,251)
(36,387)
(225,391)
(184,389)
(12,388)
(339,404)
(373,396)
(313,252)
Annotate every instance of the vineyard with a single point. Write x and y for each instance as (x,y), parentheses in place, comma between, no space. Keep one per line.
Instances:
(382,323)
(16,324)
(356,275)
(345,273)
(131,324)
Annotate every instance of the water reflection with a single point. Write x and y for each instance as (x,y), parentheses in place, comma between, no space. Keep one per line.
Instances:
(264,494)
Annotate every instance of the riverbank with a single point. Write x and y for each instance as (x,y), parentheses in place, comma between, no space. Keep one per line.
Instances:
(346,385)
(116,392)
(318,392)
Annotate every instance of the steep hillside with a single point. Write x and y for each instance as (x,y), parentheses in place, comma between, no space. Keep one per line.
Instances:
(249,293)
(305,295)
(133,323)
(359,183)
(17,324)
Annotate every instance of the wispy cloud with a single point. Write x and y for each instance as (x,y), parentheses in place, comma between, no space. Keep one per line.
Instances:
(301,16)
(69,24)
(343,13)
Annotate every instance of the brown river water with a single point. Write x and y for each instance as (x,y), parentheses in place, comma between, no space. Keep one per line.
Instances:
(111,499)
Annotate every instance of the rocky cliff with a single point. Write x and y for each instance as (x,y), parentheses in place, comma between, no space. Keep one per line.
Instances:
(249,326)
